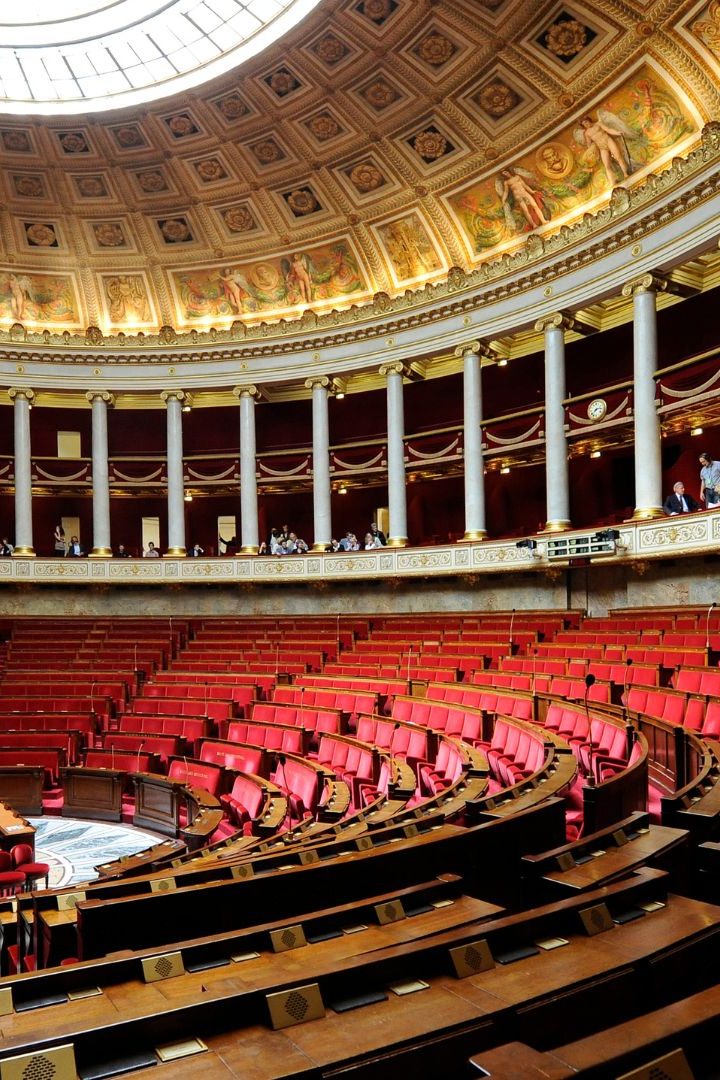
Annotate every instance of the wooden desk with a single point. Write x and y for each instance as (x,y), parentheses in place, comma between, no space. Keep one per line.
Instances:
(157,803)
(14,829)
(21,786)
(93,793)
(649,848)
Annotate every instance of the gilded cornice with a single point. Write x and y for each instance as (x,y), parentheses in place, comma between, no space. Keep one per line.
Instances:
(627,218)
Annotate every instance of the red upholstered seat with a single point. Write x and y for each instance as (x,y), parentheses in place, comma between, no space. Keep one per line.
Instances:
(11,882)
(22,856)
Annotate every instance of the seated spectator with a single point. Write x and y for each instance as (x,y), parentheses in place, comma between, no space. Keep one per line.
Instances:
(6,548)
(679,502)
(74,549)
(290,544)
(232,546)
(276,543)
(371,541)
(121,553)
(349,542)
(151,552)
(197,551)
(263,549)
(301,546)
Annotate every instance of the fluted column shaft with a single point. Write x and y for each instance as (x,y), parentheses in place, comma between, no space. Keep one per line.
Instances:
(249,530)
(472,443)
(648,453)
(100,475)
(23,472)
(557,478)
(175,481)
(397,496)
(322,513)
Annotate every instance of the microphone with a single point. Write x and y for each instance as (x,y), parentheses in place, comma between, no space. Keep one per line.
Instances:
(512,620)
(338,636)
(707,625)
(112,756)
(534,668)
(589,681)
(628,664)
(408,665)
(140,747)
(281,765)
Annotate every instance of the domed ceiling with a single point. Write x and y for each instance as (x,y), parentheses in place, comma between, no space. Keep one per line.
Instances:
(380,144)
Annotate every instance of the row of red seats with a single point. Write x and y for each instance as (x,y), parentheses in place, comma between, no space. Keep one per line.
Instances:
(674,707)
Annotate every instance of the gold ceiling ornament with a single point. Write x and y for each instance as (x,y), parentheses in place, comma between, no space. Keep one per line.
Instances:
(640,202)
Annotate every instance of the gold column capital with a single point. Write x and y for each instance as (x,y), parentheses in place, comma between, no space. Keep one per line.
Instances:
(317,380)
(479,348)
(176,395)
(396,367)
(103,395)
(21,392)
(565,321)
(250,390)
(646,283)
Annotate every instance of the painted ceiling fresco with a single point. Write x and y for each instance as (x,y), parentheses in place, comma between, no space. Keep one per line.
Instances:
(382,143)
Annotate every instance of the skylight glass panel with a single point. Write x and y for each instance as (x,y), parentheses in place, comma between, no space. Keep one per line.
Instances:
(88,55)
(203,17)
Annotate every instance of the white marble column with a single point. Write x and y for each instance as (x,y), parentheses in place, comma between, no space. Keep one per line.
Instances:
(397,496)
(557,480)
(648,455)
(100,399)
(249,531)
(175,481)
(322,514)
(21,399)
(473,467)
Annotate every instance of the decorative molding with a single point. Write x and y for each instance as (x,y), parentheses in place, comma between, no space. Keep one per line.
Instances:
(640,543)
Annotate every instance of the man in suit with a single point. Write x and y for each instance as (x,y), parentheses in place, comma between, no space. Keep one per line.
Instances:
(679,502)
(378,535)
(74,549)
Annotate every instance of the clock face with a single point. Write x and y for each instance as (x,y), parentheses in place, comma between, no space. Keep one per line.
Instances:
(596,409)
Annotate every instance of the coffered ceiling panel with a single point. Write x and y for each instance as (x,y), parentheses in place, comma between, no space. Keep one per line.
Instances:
(380,144)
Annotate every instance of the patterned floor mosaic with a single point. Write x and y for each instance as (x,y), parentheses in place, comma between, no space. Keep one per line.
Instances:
(74,848)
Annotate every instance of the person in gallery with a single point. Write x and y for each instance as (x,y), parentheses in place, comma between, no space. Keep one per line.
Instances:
(151,552)
(6,548)
(680,502)
(74,550)
(232,546)
(197,551)
(709,481)
(378,534)
(59,541)
(122,552)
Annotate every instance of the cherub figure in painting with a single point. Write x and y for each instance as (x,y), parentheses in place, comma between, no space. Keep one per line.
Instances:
(298,277)
(607,136)
(236,289)
(516,194)
(20,293)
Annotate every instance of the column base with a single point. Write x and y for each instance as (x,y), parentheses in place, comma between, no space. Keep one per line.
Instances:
(647,513)
(397,541)
(557,525)
(175,553)
(472,535)
(249,549)
(319,546)
(100,553)
(24,553)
